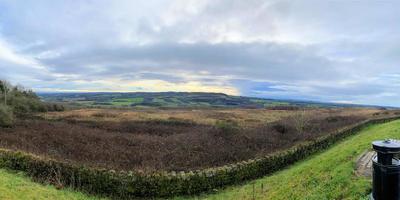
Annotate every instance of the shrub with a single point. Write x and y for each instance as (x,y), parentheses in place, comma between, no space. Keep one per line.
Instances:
(333,119)
(105,115)
(180,122)
(6,116)
(300,121)
(20,105)
(227,126)
(385,113)
(171,121)
(58,107)
(284,107)
(280,128)
(52,107)
(21,100)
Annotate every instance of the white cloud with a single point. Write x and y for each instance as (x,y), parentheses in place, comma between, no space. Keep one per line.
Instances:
(7,54)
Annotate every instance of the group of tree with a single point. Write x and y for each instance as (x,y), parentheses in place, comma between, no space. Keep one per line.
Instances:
(16,101)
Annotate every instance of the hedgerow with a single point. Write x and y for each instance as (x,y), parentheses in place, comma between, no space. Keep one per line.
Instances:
(128,184)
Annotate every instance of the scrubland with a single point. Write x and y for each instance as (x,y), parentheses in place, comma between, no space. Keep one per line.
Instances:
(175,139)
(327,175)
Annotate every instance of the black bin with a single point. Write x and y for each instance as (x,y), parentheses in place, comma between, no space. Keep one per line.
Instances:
(386,171)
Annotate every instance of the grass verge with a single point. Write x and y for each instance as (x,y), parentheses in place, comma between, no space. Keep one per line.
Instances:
(327,175)
(16,186)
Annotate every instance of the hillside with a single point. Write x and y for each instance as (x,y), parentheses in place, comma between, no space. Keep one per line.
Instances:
(330,176)
(327,175)
(176,99)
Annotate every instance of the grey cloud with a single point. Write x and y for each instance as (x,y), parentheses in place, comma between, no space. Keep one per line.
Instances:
(261,61)
(276,48)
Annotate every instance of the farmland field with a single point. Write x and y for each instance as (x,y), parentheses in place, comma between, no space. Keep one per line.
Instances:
(127,101)
(178,100)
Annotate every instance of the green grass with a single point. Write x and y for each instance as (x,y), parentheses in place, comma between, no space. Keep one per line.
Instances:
(164,102)
(327,175)
(269,103)
(85,103)
(127,101)
(15,186)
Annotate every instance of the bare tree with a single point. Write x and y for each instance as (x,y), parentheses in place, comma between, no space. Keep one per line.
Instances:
(301,121)
(5,88)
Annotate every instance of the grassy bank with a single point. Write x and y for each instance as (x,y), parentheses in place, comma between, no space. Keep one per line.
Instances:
(15,186)
(327,175)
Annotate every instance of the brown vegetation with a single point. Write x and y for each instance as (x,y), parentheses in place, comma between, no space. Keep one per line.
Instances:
(109,139)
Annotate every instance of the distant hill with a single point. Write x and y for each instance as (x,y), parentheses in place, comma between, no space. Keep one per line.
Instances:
(177,99)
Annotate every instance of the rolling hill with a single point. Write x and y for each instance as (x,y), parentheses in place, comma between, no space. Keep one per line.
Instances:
(178,99)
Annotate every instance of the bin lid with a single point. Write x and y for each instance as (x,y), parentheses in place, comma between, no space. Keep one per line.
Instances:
(386,146)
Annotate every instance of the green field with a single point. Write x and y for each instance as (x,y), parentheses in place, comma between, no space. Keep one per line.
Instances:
(327,175)
(126,101)
(178,99)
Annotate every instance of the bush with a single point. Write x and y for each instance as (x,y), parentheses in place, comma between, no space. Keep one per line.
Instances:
(6,116)
(23,105)
(333,119)
(280,128)
(301,121)
(105,115)
(227,126)
(386,113)
(22,101)
(58,107)
(284,107)
(171,121)
(20,105)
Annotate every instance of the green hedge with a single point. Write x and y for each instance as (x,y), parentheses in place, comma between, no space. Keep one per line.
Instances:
(123,184)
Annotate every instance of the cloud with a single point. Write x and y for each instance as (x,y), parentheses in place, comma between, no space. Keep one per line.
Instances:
(339,51)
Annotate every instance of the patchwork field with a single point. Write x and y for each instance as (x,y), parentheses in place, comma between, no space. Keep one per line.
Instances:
(177,100)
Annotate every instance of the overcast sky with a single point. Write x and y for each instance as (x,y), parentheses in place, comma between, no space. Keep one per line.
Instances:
(331,50)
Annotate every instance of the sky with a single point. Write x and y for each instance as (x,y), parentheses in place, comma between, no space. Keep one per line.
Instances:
(345,51)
